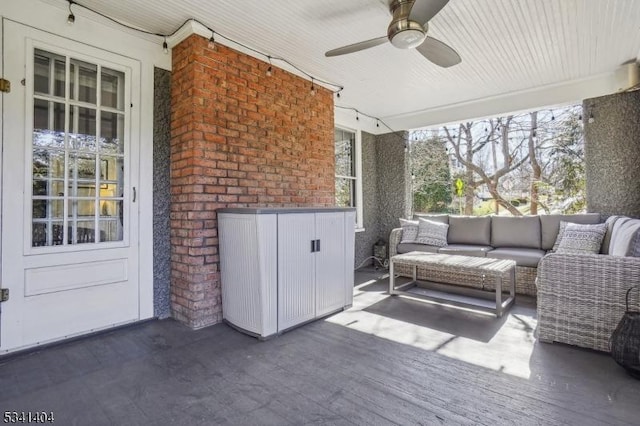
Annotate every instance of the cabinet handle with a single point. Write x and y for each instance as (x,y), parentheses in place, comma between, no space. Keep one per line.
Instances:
(317,245)
(313,246)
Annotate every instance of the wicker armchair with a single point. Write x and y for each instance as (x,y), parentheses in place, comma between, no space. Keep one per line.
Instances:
(581,298)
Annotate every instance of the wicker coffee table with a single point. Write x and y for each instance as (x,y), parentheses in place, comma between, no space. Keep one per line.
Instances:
(444,269)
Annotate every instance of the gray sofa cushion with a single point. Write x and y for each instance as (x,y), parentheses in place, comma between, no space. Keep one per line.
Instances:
(551,223)
(466,250)
(523,256)
(441,218)
(515,231)
(623,236)
(469,230)
(407,247)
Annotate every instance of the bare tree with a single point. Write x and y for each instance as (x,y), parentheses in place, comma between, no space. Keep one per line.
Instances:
(466,145)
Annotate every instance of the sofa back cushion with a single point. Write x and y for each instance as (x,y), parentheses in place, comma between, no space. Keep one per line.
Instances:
(441,218)
(550,223)
(522,232)
(623,237)
(611,220)
(469,230)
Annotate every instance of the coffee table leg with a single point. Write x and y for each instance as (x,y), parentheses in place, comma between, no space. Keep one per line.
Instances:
(392,277)
(499,296)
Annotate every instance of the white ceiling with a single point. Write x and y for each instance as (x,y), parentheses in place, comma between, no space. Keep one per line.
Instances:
(515,53)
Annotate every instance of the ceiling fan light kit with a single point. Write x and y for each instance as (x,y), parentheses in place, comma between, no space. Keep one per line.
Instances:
(408,30)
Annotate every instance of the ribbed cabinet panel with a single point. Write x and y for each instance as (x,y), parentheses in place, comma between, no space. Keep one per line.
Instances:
(296,269)
(330,262)
(247,266)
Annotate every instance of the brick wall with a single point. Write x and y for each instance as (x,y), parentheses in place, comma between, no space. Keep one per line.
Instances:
(239,138)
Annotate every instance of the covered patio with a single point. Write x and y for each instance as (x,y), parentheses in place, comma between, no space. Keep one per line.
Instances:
(385,361)
(128,125)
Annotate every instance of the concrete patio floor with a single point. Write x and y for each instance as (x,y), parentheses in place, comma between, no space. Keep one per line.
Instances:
(387,360)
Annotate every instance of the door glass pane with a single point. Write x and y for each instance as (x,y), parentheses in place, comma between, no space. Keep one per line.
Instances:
(83,129)
(112,133)
(112,89)
(82,232)
(48,163)
(86,76)
(70,177)
(41,71)
(59,75)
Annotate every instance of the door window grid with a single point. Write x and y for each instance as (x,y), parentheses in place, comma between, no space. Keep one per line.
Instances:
(68,137)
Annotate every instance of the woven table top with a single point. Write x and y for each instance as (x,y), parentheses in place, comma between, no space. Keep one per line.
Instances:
(468,264)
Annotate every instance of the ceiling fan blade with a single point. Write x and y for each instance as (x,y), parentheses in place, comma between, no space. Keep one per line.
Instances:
(439,53)
(423,10)
(357,46)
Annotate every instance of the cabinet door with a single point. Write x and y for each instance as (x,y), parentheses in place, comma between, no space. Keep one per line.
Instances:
(330,261)
(296,269)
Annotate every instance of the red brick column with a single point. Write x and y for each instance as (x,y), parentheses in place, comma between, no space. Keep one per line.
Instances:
(239,138)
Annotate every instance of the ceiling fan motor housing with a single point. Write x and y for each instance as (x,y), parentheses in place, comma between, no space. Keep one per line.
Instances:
(403,33)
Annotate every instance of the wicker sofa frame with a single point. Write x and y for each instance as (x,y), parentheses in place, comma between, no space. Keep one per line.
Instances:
(581,298)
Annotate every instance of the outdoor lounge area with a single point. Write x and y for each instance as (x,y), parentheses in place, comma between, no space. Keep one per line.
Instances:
(319,212)
(385,361)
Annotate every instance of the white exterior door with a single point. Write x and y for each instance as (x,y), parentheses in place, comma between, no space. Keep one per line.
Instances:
(69,177)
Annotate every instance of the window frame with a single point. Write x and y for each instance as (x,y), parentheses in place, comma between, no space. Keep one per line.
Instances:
(357,173)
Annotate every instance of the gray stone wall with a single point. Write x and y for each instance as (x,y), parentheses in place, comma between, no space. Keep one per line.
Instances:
(385,189)
(612,153)
(161,194)
(394,179)
(366,239)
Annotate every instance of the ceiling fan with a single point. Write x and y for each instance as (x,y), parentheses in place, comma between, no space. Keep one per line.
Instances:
(408,30)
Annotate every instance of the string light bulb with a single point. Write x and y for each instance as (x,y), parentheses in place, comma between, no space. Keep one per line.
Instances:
(165,46)
(212,41)
(338,93)
(357,116)
(313,88)
(71,19)
(377,123)
(270,69)
(591,119)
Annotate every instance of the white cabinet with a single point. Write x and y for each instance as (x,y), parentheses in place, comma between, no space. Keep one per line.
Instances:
(283,267)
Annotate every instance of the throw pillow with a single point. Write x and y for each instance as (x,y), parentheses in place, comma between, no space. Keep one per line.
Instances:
(563,226)
(634,250)
(582,239)
(409,231)
(432,233)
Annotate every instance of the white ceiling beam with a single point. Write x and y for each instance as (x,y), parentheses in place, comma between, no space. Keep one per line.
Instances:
(526,100)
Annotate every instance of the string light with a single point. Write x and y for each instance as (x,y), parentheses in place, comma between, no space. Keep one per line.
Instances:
(377,123)
(71,19)
(212,41)
(165,48)
(591,119)
(269,70)
(313,88)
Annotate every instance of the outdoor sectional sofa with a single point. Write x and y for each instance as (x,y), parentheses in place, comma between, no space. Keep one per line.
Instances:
(525,239)
(580,297)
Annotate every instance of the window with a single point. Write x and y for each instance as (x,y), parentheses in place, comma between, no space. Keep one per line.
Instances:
(78,152)
(348,171)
